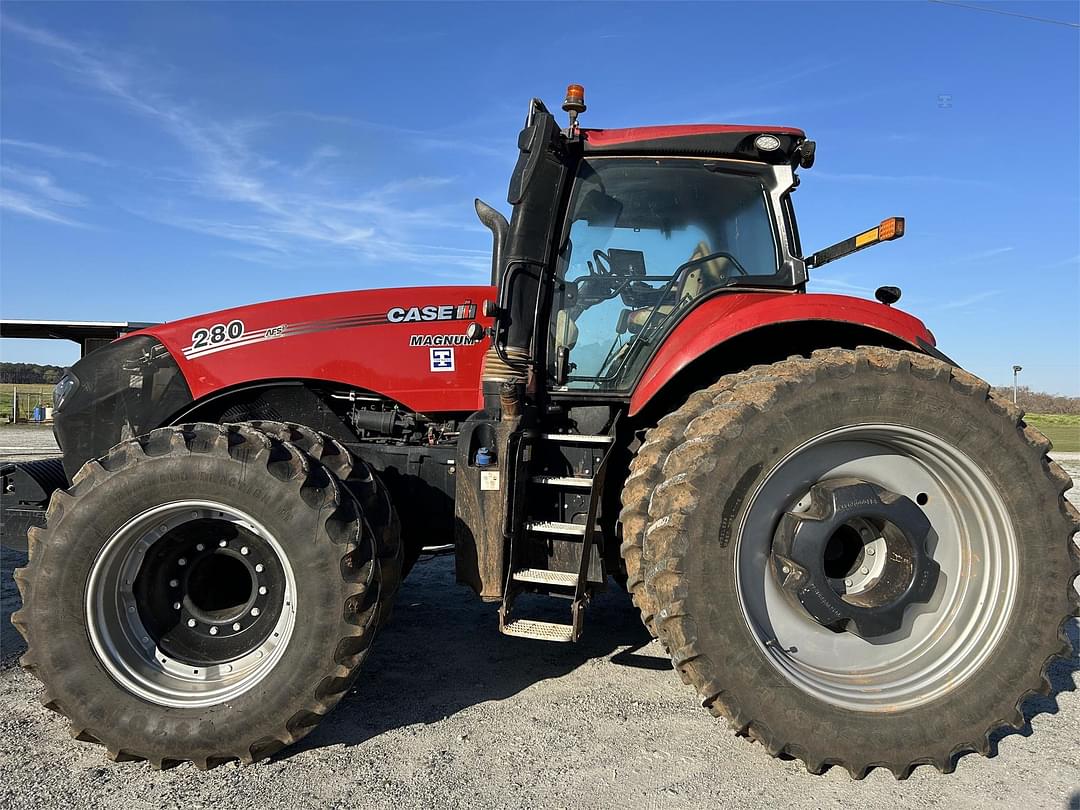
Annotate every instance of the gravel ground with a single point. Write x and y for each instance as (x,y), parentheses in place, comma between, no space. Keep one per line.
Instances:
(449,713)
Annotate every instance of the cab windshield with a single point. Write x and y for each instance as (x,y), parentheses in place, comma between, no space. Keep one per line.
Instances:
(644,239)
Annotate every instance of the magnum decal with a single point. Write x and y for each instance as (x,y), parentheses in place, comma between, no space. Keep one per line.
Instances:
(440,340)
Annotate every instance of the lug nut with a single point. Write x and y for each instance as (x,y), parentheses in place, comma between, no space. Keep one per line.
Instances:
(190,622)
(222,543)
(259,568)
(869,552)
(262,590)
(213,631)
(182,561)
(199,547)
(175,605)
(244,550)
(864,570)
(236,626)
(254,611)
(847,582)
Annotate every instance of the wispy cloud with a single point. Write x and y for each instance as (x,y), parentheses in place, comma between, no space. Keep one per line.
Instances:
(52,151)
(19,203)
(249,198)
(36,194)
(981,255)
(872,177)
(970,300)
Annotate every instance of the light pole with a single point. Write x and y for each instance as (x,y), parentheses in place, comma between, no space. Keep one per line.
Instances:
(1016,370)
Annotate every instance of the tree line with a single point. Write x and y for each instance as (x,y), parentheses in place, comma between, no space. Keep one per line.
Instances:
(28,373)
(1038,401)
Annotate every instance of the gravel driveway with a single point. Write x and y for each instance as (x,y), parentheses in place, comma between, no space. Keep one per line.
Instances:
(448,713)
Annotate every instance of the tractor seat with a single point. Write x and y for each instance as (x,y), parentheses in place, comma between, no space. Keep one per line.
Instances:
(698,281)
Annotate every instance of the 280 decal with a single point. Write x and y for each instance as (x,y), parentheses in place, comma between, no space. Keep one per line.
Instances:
(217,334)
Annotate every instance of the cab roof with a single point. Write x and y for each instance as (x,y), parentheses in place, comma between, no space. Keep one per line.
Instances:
(713,140)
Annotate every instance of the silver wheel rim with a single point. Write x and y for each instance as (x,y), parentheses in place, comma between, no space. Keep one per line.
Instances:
(128,648)
(941,642)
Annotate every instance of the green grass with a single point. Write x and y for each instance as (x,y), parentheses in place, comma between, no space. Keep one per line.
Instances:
(1063,429)
(30,394)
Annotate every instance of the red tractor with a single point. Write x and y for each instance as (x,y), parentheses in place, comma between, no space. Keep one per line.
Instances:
(852,550)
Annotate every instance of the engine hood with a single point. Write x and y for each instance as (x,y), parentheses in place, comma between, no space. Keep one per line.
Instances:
(405,343)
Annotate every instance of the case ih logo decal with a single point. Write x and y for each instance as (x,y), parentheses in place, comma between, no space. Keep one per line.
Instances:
(441,312)
(222,336)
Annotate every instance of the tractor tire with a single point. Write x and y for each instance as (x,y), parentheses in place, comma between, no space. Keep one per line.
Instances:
(647,473)
(203,593)
(363,482)
(990,575)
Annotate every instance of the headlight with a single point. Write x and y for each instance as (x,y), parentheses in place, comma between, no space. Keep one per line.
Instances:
(68,383)
(122,390)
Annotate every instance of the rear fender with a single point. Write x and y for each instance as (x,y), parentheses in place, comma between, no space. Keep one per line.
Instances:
(731,321)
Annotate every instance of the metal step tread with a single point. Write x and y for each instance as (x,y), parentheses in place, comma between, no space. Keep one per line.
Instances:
(544,631)
(543,576)
(554,527)
(577,438)
(562,481)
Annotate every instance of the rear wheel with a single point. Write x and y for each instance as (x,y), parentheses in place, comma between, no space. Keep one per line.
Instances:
(863,559)
(201,593)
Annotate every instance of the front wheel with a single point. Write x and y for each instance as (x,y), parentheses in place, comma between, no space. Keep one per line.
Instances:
(862,559)
(202,593)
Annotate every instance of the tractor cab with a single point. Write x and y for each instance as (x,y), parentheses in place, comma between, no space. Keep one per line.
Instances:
(616,234)
(647,237)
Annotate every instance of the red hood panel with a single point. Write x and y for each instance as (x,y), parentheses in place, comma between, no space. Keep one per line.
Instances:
(404,343)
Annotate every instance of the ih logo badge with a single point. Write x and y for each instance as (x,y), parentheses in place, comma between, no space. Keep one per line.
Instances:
(442,359)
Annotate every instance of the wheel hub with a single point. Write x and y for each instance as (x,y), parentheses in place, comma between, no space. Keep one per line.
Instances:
(853,556)
(211,594)
(190,603)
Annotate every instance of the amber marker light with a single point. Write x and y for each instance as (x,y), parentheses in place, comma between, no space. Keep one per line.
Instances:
(891,228)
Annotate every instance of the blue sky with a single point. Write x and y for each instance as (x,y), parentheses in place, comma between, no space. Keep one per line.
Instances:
(160,160)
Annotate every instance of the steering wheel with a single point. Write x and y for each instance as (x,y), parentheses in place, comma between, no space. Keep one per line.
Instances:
(603,264)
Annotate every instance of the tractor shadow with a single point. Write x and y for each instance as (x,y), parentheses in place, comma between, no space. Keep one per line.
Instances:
(1061,676)
(442,652)
(12,644)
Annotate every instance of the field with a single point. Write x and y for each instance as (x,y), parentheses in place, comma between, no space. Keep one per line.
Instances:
(1063,429)
(30,394)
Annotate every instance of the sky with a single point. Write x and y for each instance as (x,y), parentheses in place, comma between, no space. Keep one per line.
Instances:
(159,160)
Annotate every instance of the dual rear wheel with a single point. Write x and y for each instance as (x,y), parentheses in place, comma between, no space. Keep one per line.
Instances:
(859,558)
